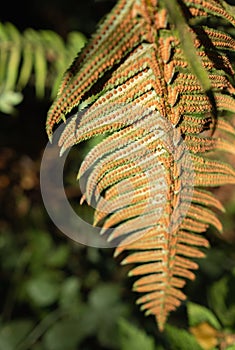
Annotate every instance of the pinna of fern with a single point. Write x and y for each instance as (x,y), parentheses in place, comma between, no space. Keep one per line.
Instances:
(157,80)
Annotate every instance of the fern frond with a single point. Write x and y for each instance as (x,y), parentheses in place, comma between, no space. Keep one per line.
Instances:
(165,121)
(34,57)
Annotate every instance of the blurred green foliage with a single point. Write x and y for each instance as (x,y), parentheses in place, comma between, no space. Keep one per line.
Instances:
(59,295)
(34,57)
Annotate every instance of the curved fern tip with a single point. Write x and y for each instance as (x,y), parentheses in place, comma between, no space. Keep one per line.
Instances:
(161,324)
(62,151)
(50,137)
(78,176)
(83,198)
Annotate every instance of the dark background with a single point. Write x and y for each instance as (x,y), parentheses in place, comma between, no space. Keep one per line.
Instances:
(56,294)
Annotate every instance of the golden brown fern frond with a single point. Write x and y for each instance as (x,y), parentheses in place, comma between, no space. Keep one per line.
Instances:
(164,127)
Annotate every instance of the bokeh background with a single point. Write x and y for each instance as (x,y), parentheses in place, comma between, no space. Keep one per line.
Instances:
(56,294)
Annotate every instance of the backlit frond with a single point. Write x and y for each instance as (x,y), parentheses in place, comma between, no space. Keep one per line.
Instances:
(165,120)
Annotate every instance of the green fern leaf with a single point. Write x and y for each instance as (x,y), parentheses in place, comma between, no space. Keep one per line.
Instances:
(37,58)
(14,57)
